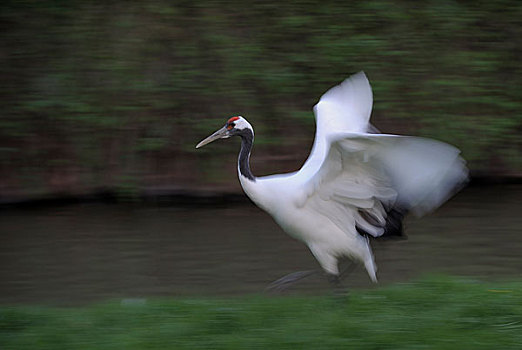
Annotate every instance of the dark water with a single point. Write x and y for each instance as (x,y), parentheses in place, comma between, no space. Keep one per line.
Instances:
(83,253)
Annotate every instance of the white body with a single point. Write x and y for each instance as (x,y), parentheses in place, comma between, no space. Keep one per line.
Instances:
(350,170)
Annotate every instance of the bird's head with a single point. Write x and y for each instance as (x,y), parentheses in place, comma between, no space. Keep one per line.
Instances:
(235,126)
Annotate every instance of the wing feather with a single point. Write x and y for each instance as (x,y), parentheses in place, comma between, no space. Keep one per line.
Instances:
(355,176)
(365,175)
(344,108)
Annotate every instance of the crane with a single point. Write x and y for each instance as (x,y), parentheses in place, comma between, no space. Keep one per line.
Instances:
(356,183)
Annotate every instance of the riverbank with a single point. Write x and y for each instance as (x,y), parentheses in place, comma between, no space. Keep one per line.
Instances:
(176,195)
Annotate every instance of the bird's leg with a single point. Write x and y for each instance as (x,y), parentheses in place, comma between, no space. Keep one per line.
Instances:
(335,280)
(337,286)
(286,281)
(348,270)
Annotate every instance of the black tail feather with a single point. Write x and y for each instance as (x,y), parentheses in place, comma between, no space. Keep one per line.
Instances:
(393,227)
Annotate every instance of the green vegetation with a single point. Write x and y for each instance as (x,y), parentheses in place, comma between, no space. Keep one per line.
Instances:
(436,313)
(116,94)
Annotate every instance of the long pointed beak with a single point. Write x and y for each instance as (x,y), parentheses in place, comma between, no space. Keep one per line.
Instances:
(220,134)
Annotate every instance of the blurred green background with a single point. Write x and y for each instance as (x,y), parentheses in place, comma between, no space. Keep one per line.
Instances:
(114,95)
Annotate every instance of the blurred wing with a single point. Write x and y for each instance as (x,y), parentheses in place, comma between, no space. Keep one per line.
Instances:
(344,108)
(364,176)
(424,172)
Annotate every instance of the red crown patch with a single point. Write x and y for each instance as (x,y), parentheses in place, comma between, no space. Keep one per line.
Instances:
(233,119)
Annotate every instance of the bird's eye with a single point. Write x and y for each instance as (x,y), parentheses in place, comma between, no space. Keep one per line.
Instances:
(230,126)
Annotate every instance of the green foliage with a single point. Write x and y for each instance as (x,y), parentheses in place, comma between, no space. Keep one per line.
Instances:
(152,78)
(435,313)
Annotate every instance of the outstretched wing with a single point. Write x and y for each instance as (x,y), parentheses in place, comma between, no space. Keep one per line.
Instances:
(344,108)
(365,175)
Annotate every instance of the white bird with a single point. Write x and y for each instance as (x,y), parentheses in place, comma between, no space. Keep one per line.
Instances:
(354,184)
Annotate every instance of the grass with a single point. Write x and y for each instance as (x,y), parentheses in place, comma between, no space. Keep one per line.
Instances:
(434,313)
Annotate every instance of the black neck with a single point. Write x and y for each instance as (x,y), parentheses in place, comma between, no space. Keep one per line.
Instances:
(247,140)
